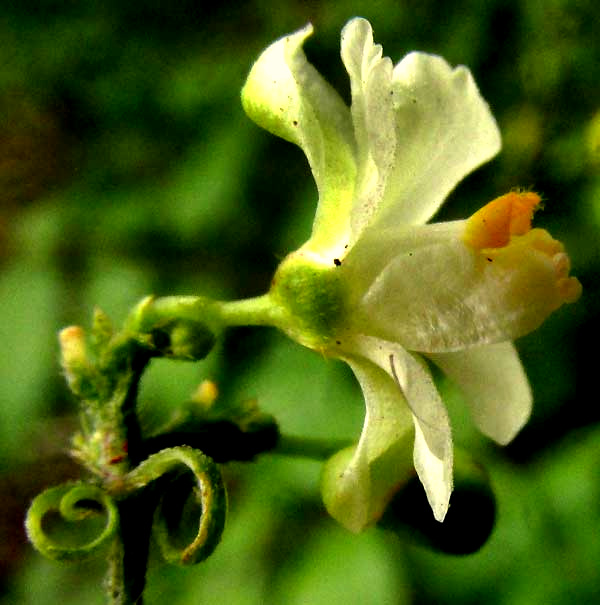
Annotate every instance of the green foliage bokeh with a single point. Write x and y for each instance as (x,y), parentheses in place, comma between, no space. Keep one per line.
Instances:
(127,167)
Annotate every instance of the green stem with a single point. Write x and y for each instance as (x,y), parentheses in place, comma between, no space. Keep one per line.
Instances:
(259,311)
(215,315)
(114,582)
(128,558)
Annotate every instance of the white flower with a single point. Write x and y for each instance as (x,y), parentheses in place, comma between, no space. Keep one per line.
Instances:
(377,287)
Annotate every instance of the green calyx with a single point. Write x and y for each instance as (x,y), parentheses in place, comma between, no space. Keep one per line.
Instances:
(310,293)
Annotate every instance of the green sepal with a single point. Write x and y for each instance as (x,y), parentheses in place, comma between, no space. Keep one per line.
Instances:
(206,489)
(75,502)
(311,294)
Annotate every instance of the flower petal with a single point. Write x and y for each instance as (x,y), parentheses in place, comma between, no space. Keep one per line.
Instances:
(426,289)
(287,96)
(419,127)
(358,485)
(495,386)
(444,130)
(432,454)
(372,115)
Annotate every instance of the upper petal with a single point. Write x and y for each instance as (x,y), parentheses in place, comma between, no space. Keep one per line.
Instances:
(372,115)
(287,96)
(444,130)
(495,387)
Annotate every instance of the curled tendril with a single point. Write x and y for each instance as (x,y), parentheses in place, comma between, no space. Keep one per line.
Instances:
(206,490)
(75,502)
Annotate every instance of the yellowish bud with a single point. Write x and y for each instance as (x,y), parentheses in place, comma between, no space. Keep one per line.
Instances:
(72,347)
(74,360)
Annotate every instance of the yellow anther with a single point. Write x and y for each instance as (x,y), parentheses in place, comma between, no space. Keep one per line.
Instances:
(493,225)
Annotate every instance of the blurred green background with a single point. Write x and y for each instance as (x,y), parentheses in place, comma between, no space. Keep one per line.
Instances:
(127,167)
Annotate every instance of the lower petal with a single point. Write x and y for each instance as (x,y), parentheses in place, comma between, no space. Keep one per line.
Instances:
(432,453)
(358,483)
(495,387)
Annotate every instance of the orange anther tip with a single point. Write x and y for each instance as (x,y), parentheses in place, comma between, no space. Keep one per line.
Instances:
(493,225)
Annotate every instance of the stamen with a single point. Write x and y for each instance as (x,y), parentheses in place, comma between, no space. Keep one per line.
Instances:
(493,225)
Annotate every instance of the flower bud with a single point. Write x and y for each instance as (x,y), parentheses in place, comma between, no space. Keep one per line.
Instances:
(74,361)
